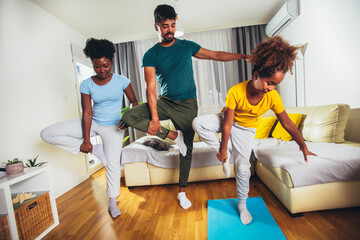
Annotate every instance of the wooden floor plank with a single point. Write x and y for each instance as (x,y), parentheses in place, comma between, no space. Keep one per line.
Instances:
(154,213)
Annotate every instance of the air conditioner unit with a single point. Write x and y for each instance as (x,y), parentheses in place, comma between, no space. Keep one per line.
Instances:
(287,13)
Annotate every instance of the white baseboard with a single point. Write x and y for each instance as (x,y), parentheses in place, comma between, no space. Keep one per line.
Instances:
(70,186)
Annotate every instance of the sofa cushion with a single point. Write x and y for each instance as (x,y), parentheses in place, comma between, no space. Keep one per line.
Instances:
(334,162)
(282,174)
(323,123)
(280,132)
(202,155)
(263,127)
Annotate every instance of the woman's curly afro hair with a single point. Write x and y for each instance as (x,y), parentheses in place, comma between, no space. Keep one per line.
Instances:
(98,48)
(272,55)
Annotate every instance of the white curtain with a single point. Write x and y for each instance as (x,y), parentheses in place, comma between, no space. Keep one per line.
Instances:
(141,47)
(213,79)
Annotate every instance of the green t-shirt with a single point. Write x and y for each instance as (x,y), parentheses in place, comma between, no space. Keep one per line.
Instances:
(174,69)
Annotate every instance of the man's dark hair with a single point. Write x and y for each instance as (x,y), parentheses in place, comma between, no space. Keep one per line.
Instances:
(98,48)
(164,12)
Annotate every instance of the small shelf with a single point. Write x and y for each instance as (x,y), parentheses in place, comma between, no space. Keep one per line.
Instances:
(33,180)
(18,205)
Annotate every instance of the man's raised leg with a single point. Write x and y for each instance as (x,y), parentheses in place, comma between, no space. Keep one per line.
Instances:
(139,118)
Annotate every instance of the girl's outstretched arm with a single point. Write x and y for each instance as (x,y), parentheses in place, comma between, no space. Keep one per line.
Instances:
(294,132)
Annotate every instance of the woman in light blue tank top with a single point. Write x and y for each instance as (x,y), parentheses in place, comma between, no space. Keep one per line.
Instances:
(106,91)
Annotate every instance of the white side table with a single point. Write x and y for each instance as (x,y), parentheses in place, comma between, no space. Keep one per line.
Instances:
(31,180)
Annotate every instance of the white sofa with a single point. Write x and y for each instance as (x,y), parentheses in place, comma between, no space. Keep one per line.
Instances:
(319,124)
(146,166)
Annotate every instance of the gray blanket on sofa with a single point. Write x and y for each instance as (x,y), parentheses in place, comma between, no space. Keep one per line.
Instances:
(202,156)
(333,163)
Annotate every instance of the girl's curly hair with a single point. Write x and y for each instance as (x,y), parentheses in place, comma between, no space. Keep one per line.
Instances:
(272,55)
(98,48)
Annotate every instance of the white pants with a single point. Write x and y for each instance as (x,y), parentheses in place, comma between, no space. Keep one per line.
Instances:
(68,136)
(241,144)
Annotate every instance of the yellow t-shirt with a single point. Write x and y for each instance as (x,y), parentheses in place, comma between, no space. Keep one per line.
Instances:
(246,115)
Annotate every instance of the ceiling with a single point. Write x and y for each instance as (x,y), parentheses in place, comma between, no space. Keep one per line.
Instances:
(128,20)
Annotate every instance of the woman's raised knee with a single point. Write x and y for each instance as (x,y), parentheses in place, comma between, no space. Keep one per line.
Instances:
(45,134)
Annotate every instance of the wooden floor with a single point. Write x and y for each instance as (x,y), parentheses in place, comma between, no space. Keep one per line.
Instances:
(154,213)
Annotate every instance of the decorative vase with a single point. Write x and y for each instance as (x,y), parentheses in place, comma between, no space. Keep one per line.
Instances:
(14,168)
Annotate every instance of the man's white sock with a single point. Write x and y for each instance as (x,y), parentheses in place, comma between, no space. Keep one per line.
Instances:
(113,209)
(98,151)
(226,165)
(245,215)
(184,202)
(180,142)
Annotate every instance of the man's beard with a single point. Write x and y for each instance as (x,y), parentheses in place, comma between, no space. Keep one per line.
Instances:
(166,40)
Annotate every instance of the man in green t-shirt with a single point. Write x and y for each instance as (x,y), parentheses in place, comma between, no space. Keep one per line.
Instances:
(170,62)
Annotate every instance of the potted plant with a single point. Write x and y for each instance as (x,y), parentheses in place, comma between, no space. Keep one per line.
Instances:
(14,166)
(32,163)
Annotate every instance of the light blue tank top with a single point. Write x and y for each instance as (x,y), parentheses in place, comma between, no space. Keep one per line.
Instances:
(107,99)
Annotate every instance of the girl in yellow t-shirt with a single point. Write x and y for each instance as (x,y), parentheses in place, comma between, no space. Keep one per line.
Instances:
(245,102)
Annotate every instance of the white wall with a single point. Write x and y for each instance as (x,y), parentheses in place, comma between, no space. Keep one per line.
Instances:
(37,88)
(332,62)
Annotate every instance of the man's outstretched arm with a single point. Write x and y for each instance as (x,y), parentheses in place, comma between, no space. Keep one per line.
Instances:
(204,53)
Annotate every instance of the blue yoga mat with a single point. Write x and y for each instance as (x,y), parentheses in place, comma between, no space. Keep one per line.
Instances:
(224,221)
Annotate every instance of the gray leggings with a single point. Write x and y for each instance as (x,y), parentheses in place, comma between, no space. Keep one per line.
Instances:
(68,136)
(241,141)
